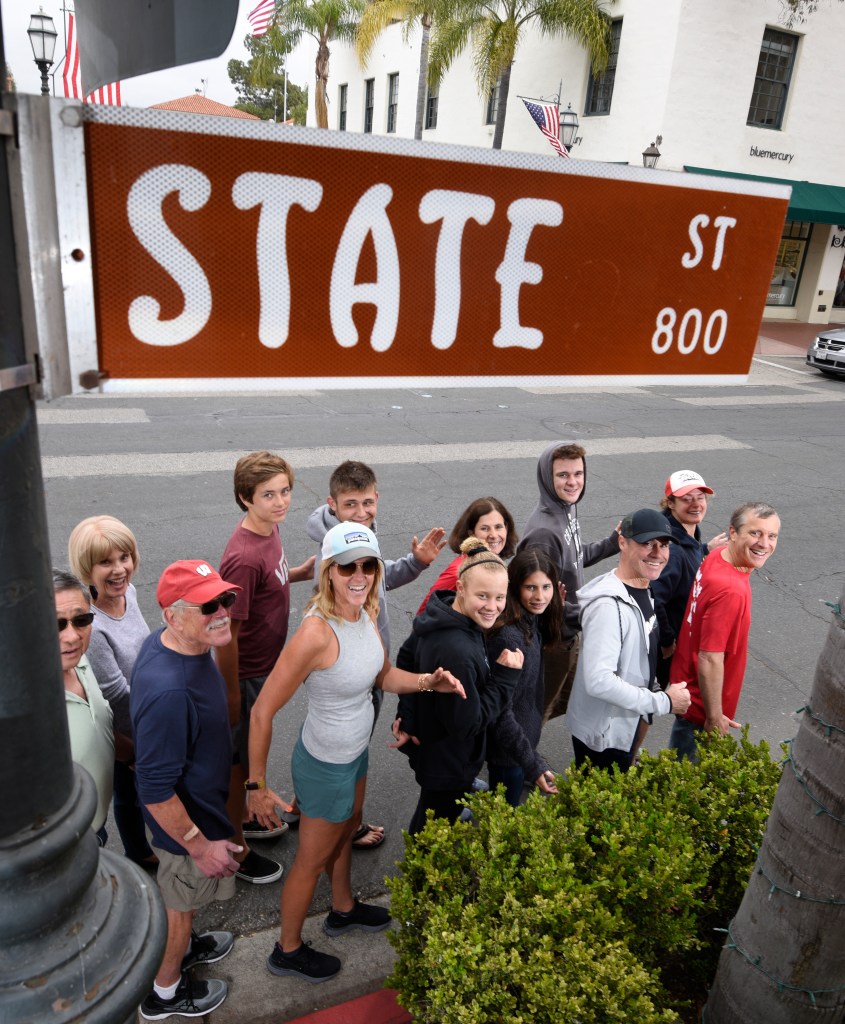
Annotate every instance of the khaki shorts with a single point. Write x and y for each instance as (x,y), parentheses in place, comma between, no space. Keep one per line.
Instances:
(184,887)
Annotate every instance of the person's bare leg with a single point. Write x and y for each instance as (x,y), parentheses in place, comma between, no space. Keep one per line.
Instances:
(179,924)
(318,840)
(339,865)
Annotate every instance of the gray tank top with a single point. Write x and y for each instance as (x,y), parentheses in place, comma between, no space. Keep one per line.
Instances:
(340,710)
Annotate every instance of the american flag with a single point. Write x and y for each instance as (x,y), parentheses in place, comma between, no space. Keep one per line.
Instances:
(261,17)
(547,118)
(72,75)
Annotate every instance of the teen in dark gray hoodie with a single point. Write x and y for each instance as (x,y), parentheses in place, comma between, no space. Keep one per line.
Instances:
(553,526)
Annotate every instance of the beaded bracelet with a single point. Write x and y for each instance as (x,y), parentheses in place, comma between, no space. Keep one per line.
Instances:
(421,683)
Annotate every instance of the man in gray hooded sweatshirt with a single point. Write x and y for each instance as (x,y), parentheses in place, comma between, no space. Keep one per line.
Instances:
(554,527)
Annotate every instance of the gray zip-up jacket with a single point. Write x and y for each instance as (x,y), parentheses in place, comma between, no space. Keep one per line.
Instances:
(611,689)
(553,526)
(396,573)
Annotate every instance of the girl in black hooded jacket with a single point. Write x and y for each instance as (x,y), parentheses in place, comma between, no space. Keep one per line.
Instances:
(446,744)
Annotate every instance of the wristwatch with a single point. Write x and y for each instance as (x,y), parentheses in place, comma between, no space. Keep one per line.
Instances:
(260,784)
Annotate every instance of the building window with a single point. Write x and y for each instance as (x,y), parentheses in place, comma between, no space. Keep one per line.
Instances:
(341,108)
(492,105)
(392,101)
(600,89)
(431,107)
(369,102)
(789,263)
(771,85)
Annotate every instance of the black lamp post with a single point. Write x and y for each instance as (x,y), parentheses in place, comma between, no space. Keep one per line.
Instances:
(652,154)
(82,930)
(42,36)
(569,125)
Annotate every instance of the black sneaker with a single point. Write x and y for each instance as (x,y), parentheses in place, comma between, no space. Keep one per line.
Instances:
(305,963)
(193,998)
(363,915)
(207,948)
(258,870)
(255,830)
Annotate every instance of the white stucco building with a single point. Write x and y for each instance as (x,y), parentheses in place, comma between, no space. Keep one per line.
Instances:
(728,88)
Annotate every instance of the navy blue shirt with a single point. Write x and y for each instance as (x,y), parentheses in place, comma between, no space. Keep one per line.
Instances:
(183,742)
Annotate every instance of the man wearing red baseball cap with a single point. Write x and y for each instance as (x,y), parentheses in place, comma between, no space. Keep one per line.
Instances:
(685,506)
(183,755)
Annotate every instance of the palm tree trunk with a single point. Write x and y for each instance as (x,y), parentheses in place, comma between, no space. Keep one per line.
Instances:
(322,73)
(422,81)
(504,89)
(783,962)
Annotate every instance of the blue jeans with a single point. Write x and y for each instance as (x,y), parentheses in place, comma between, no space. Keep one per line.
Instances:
(683,738)
(512,778)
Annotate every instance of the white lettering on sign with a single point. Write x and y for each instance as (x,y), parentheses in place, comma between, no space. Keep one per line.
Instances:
(689,331)
(369,217)
(701,220)
(513,271)
(144,210)
(454,209)
(276,194)
(273,193)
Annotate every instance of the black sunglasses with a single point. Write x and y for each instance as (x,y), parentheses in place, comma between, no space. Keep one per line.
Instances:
(368,567)
(78,621)
(210,607)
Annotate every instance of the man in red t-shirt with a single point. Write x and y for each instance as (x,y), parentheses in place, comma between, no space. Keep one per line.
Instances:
(713,641)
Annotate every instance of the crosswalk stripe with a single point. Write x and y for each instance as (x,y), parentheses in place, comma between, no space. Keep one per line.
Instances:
(799,398)
(66,417)
(180,463)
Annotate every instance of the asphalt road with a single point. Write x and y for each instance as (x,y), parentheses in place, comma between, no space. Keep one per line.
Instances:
(163,464)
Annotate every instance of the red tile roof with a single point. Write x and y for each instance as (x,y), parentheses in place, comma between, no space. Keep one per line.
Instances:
(198,104)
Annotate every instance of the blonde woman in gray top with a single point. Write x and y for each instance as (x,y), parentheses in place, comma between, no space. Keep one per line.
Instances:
(338,655)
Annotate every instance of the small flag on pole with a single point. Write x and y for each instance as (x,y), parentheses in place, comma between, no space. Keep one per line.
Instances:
(547,118)
(72,75)
(261,17)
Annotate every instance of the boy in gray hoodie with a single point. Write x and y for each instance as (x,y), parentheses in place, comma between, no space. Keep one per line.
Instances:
(553,526)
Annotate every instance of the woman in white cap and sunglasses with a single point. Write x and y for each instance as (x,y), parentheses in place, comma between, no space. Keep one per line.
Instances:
(338,655)
(684,506)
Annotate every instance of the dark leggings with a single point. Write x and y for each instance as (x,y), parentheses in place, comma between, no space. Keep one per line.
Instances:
(442,802)
(601,758)
(128,816)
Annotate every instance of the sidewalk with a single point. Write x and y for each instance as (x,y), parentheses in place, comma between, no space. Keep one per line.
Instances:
(788,337)
(356,996)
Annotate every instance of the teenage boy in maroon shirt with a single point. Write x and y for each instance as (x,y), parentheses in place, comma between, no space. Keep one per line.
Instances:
(255,559)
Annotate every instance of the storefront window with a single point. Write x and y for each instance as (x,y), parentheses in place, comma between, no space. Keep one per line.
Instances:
(789,263)
(839,297)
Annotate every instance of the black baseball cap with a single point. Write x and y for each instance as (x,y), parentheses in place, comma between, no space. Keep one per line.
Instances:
(646,524)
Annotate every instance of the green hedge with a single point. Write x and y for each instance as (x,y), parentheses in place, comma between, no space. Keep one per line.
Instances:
(594,906)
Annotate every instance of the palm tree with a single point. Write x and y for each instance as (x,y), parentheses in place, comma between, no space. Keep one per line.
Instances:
(324,21)
(494,29)
(378,15)
(783,962)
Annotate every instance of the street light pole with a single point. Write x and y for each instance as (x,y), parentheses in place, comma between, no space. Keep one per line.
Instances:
(42,37)
(81,930)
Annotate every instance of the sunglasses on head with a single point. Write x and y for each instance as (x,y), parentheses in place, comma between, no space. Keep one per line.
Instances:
(78,621)
(368,567)
(210,607)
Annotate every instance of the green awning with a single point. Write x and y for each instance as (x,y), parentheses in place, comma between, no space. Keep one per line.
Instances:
(822,204)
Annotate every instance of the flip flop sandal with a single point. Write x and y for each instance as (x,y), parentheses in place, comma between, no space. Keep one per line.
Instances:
(368,837)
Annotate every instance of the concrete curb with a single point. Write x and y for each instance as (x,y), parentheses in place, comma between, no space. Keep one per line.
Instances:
(258,997)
